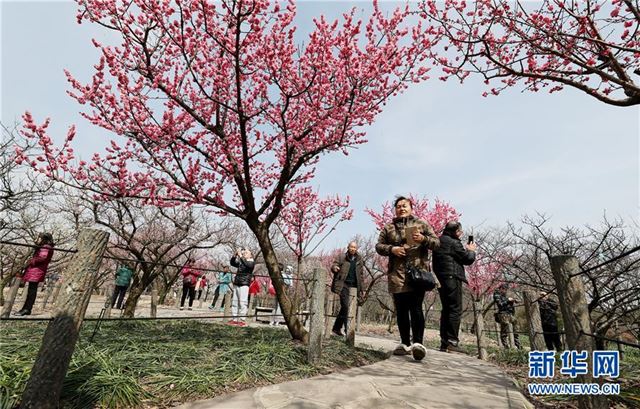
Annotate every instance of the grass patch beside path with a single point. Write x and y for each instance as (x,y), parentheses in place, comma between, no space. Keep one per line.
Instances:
(158,364)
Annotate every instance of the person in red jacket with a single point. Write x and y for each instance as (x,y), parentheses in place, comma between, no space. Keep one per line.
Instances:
(189,279)
(36,270)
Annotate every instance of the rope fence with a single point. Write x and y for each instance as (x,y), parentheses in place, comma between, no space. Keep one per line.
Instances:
(155,263)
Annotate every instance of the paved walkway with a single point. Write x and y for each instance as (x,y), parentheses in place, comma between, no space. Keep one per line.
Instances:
(441,380)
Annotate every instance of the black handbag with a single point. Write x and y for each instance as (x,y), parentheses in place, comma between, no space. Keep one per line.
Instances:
(420,279)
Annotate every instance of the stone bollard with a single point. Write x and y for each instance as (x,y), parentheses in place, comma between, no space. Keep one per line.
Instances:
(329,312)
(227,305)
(351,327)
(317,318)
(154,300)
(47,375)
(532,309)
(575,314)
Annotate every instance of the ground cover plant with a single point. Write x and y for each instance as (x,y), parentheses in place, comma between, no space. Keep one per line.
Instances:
(158,364)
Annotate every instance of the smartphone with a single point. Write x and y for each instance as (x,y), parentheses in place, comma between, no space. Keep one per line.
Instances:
(470,239)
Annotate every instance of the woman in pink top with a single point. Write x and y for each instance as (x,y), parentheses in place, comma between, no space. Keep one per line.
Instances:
(189,279)
(36,270)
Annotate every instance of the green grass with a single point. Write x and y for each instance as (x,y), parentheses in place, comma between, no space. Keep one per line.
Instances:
(137,364)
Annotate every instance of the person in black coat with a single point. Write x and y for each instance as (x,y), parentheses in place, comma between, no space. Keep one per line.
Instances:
(448,264)
(243,260)
(548,316)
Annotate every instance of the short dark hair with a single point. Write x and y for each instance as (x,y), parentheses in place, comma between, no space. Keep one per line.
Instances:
(47,238)
(452,226)
(400,199)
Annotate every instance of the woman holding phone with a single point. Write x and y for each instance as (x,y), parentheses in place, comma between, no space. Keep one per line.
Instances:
(407,241)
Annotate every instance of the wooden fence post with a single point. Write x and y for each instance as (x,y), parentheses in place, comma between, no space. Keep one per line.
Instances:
(479,323)
(227,304)
(329,311)
(577,323)
(353,305)
(532,308)
(47,375)
(107,300)
(317,319)
(154,299)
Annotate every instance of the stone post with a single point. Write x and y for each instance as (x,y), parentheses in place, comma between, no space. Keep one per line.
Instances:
(575,314)
(47,375)
(532,309)
(317,318)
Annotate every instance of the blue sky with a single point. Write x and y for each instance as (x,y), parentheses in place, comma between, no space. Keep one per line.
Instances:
(495,159)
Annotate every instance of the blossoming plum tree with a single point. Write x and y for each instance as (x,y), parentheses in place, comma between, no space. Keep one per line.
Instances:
(215,103)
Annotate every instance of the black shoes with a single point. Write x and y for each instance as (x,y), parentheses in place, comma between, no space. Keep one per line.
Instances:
(21,313)
(337,333)
(451,348)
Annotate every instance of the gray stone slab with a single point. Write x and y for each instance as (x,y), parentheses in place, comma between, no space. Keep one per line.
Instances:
(441,380)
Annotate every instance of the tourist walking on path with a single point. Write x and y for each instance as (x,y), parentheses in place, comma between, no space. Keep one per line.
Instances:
(347,274)
(243,261)
(123,279)
(506,315)
(549,319)
(407,241)
(189,279)
(36,270)
(224,278)
(448,264)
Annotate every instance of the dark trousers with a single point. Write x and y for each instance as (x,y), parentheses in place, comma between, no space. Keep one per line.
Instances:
(118,293)
(451,299)
(552,338)
(199,293)
(188,289)
(504,319)
(32,292)
(343,315)
(216,294)
(410,316)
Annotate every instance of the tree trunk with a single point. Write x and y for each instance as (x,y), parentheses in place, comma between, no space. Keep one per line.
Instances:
(135,292)
(297,331)
(478,322)
(47,375)
(163,289)
(532,309)
(575,314)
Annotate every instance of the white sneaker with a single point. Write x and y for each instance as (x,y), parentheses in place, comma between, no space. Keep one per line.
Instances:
(401,349)
(190,308)
(181,308)
(418,351)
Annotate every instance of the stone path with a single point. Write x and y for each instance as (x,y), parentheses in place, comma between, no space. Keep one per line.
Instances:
(441,380)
